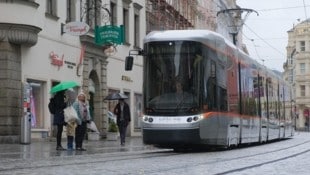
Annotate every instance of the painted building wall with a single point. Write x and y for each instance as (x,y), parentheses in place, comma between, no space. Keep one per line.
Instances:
(37,67)
(128,82)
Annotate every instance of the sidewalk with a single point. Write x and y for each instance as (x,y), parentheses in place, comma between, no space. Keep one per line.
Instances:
(46,148)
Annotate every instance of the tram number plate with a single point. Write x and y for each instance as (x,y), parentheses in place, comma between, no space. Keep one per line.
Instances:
(169,120)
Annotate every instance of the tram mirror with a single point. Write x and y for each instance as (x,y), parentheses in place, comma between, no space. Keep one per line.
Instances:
(128,63)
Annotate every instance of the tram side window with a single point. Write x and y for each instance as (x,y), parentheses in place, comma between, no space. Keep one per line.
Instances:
(212,88)
(223,99)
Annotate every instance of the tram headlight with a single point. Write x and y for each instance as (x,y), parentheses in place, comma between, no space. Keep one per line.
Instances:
(189,119)
(151,120)
(145,118)
(196,118)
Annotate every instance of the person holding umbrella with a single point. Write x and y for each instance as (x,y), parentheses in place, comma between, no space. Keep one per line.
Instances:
(122,112)
(58,105)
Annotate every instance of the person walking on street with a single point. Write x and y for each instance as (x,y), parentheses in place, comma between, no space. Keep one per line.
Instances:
(82,110)
(57,105)
(122,112)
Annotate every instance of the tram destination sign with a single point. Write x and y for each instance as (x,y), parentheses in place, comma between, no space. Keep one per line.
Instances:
(109,34)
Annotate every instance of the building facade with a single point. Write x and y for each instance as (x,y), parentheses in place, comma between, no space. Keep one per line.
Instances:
(36,54)
(297,71)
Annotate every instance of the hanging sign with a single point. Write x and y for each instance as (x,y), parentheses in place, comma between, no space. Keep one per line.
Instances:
(75,28)
(109,34)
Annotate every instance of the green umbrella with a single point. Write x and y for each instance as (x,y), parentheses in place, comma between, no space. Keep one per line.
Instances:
(63,86)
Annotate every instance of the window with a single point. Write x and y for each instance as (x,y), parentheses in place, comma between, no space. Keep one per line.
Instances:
(302,68)
(291,76)
(302,46)
(137,25)
(51,7)
(90,20)
(92,13)
(136,31)
(126,19)
(71,10)
(126,24)
(302,90)
(113,14)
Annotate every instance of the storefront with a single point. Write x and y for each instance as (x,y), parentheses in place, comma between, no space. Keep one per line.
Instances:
(43,65)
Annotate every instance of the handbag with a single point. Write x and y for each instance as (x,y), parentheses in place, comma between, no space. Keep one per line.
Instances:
(92,126)
(70,114)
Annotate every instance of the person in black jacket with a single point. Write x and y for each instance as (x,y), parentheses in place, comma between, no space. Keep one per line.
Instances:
(122,112)
(59,121)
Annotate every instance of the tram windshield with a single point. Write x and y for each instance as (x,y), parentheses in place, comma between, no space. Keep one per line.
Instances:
(172,81)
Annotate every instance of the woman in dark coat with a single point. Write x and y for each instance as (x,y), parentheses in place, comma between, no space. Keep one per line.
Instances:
(59,121)
(122,112)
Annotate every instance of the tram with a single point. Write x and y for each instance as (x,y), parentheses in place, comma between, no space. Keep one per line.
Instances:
(200,90)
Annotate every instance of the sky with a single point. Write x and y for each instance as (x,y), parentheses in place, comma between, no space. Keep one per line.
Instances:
(265,34)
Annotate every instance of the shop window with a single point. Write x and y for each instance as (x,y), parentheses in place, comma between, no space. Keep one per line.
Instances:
(37,101)
(137,111)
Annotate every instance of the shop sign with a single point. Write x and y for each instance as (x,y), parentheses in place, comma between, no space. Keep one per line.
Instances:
(56,60)
(109,34)
(126,78)
(76,28)
(70,65)
(59,61)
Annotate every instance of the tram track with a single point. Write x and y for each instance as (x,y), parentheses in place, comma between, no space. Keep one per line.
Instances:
(213,158)
(262,163)
(18,164)
(243,168)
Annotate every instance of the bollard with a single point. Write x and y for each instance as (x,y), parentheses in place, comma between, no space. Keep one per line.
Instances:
(25,135)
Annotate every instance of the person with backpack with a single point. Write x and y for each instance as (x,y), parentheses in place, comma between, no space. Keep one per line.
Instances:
(56,106)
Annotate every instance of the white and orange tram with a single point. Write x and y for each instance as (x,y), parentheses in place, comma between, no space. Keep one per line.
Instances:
(199,89)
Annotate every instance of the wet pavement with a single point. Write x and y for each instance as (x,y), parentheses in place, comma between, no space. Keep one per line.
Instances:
(46,148)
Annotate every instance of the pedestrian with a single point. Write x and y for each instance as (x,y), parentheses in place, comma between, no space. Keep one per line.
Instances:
(57,105)
(71,127)
(82,109)
(71,117)
(122,112)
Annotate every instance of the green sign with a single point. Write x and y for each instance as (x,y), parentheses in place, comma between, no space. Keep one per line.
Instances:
(109,34)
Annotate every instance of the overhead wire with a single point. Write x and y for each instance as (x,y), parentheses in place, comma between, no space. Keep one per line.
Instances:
(305,9)
(263,40)
(285,8)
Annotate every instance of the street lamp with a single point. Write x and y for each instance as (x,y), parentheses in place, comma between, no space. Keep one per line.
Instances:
(236,20)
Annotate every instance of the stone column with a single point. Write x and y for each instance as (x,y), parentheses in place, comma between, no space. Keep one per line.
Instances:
(12,37)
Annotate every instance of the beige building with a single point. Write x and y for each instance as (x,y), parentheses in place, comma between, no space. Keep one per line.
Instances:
(297,71)
(36,52)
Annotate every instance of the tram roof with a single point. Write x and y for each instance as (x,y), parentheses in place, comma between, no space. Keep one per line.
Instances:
(203,36)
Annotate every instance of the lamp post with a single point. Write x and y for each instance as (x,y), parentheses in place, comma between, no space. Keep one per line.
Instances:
(235,19)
